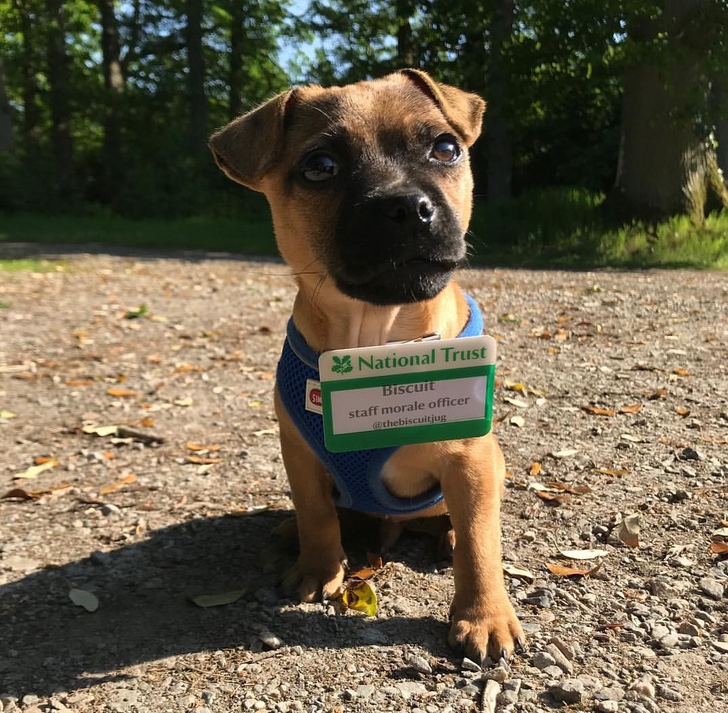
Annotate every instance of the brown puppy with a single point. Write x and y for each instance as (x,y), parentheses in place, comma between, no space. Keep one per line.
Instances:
(371,193)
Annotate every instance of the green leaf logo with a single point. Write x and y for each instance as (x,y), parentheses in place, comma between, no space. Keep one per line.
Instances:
(342,365)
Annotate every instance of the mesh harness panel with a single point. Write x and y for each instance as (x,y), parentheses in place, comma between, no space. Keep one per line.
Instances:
(357,474)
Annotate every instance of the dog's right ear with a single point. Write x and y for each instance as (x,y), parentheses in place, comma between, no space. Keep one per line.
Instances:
(248,147)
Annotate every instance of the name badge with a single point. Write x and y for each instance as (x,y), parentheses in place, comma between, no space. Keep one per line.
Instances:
(399,394)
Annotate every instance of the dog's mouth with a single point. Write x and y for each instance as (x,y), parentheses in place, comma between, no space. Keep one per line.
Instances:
(398,282)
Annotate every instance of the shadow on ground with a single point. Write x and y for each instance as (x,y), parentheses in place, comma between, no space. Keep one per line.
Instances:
(145,613)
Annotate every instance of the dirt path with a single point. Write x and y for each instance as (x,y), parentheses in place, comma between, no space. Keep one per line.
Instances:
(647,632)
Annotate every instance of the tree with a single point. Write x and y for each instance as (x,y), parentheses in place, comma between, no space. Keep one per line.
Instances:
(29,91)
(7,139)
(667,163)
(196,77)
(59,94)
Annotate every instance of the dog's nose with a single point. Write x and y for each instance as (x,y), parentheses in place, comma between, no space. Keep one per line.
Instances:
(411,208)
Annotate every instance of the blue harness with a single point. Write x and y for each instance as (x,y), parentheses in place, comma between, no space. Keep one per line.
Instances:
(357,474)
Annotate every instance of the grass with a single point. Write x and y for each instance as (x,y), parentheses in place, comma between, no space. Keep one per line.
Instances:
(553,228)
(31,265)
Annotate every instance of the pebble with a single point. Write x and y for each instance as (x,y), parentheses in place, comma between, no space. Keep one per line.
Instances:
(610,693)
(711,587)
(270,640)
(562,646)
(553,672)
(721,646)
(559,659)
(507,698)
(687,628)
(607,707)
(469,665)
(643,688)
(692,454)
(364,691)
(669,694)
(498,674)
(570,690)
(421,664)
(669,641)
(542,660)
(30,699)
(411,688)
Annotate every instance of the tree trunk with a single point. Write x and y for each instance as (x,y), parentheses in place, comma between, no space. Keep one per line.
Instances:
(7,139)
(59,92)
(235,79)
(666,162)
(114,83)
(196,77)
(497,136)
(405,50)
(720,106)
(29,88)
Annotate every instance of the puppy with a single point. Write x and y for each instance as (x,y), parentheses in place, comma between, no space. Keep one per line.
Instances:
(370,189)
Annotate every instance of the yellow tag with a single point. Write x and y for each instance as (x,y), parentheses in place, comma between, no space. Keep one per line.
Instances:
(361,597)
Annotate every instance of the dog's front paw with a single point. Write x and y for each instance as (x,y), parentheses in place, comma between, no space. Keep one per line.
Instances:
(311,581)
(489,629)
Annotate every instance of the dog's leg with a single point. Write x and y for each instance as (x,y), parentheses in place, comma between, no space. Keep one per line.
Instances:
(320,567)
(483,620)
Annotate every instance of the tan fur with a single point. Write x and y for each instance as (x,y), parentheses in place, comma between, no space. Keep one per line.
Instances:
(470,472)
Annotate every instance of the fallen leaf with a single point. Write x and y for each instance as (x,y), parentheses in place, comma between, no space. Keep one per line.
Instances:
(82,598)
(618,473)
(362,574)
(198,447)
(35,470)
(516,572)
(40,460)
(218,600)
(147,422)
(680,372)
(682,411)
(184,402)
(629,530)
(121,393)
(518,421)
(655,395)
(566,453)
(721,532)
(22,494)
(201,460)
(572,571)
(518,403)
(361,597)
(632,439)
(719,548)
(8,415)
(598,411)
(582,554)
(265,432)
(522,388)
(634,408)
(535,469)
(141,311)
(79,382)
(553,499)
(118,485)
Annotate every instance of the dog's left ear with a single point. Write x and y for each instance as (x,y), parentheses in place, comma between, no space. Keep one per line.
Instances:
(247,148)
(462,109)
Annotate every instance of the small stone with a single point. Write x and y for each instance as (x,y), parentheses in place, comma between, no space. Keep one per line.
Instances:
(364,691)
(410,688)
(559,659)
(669,642)
(512,684)
(669,694)
(643,688)
(470,690)
(498,674)
(607,707)
(610,693)
(270,640)
(349,694)
(553,672)
(418,663)
(691,454)
(689,629)
(562,646)
(99,557)
(208,697)
(507,698)
(111,510)
(16,563)
(721,646)
(711,587)
(122,699)
(30,699)
(659,631)
(570,690)
(469,665)
(542,659)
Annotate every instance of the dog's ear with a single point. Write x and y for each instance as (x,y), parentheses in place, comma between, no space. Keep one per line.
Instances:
(462,109)
(248,146)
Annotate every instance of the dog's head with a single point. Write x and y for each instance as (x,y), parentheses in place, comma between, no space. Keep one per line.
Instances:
(369,183)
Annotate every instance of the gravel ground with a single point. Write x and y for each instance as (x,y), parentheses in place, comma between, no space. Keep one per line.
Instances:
(139,523)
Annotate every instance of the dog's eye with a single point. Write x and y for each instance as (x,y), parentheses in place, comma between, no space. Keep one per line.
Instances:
(445,149)
(320,168)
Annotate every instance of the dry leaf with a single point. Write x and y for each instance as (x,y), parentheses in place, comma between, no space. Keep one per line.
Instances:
(21,494)
(147,422)
(582,554)
(362,574)
(121,393)
(201,460)
(518,572)
(721,532)
(552,499)
(7,415)
(184,402)
(361,597)
(655,395)
(218,600)
(682,411)
(35,470)
(614,473)
(102,431)
(632,439)
(680,372)
(535,469)
(518,421)
(634,408)
(629,530)
(719,548)
(598,411)
(572,571)
(198,447)
(518,403)
(79,382)
(82,598)
(45,459)
(118,485)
